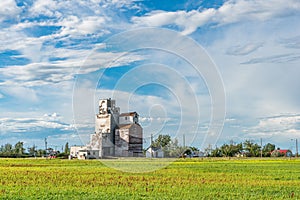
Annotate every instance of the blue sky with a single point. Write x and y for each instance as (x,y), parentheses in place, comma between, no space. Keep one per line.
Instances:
(50,76)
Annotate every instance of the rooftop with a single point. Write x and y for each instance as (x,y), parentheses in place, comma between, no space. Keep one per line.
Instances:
(128,114)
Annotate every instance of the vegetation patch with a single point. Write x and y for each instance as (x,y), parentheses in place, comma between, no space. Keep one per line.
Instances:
(206,178)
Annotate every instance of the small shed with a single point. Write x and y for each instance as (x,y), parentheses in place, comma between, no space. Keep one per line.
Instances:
(154,152)
(83,152)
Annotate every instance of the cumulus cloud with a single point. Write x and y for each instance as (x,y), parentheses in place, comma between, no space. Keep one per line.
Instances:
(75,27)
(80,18)
(232,11)
(190,21)
(279,123)
(280,128)
(8,10)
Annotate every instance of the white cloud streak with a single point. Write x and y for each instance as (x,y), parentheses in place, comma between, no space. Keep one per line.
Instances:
(27,124)
(243,49)
(232,11)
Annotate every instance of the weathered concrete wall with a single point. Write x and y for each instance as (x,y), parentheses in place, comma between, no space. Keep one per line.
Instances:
(136,139)
(121,142)
(128,118)
(125,119)
(129,140)
(105,125)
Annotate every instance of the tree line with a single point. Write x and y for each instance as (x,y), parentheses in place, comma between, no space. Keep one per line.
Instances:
(18,151)
(172,148)
(248,148)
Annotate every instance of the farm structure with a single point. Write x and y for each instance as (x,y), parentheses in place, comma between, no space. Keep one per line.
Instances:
(282,152)
(154,152)
(116,134)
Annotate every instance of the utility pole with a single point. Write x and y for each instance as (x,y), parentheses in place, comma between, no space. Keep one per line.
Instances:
(296,147)
(34,148)
(183,140)
(46,146)
(151,142)
(261,148)
(151,145)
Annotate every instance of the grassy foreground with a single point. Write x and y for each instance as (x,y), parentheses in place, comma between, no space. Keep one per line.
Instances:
(182,179)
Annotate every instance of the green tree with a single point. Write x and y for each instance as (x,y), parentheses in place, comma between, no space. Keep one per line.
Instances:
(208,150)
(267,149)
(226,150)
(32,150)
(8,149)
(190,150)
(177,151)
(230,150)
(216,152)
(252,149)
(162,141)
(41,152)
(19,150)
(173,149)
(67,148)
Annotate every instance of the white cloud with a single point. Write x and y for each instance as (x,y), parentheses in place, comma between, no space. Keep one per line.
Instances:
(279,123)
(80,18)
(80,26)
(282,58)
(46,8)
(8,10)
(78,23)
(27,124)
(36,74)
(55,72)
(230,12)
(280,128)
(24,93)
(268,85)
(100,59)
(189,20)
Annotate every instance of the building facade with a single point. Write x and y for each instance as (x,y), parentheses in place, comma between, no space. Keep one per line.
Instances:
(116,134)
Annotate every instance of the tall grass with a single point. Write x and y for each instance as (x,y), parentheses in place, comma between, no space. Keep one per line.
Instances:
(182,179)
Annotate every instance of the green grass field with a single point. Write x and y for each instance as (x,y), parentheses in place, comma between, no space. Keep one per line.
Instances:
(182,179)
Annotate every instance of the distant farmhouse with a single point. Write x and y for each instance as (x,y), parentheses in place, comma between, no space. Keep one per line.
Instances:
(116,134)
(282,152)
